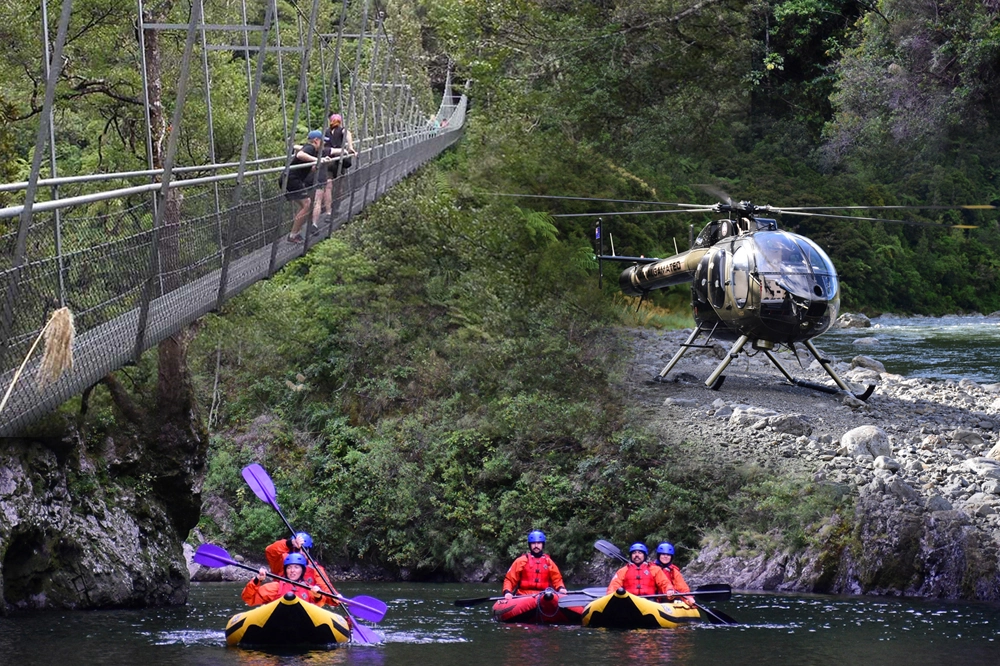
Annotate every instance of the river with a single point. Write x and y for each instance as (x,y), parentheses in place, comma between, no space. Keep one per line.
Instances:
(952,347)
(422,626)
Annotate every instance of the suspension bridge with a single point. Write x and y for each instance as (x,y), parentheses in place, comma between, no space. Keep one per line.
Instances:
(138,255)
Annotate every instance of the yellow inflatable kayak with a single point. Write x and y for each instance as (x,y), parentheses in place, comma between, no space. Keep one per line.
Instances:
(627,611)
(287,621)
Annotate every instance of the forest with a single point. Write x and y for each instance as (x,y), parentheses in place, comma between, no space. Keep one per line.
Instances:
(442,375)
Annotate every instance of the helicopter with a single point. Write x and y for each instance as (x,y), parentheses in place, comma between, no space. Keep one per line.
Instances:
(752,283)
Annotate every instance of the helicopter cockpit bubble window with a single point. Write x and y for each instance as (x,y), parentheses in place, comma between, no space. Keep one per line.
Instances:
(795,264)
(741,275)
(823,270)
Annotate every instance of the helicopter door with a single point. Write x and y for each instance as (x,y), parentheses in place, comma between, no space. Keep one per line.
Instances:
(741,276)
(700,285)
(717,278)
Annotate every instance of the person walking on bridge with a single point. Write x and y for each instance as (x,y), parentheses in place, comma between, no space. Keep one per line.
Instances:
(299,183)
(339,145)
(534,571)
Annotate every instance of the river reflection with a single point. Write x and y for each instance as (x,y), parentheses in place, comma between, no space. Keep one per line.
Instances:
(424,627)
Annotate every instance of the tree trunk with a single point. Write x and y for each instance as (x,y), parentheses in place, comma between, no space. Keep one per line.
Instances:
(181,437)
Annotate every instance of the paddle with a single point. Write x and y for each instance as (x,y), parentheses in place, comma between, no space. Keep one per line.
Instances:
(717,591)
(715,616)
(475,601)
(213,557)
(262,486)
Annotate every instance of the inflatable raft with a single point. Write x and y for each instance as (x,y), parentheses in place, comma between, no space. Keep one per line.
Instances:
(541,608)
(287,621)
(626,611)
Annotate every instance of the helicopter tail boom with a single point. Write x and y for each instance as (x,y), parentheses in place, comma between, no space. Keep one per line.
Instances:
(678,269)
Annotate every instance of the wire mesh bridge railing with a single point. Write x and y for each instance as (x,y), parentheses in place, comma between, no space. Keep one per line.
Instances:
(135,263)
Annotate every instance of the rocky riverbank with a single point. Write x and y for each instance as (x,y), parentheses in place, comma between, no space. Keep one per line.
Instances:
(921,459)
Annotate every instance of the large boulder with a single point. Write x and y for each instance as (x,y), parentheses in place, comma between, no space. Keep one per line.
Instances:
(986,467)
(967,438)
(744,415)
(853,320)
(994,453)
(790,424)
(867,362)
(866,440)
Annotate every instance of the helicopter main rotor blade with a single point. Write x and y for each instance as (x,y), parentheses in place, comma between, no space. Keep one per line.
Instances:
(785,211)
(955,207)
(628,201)
(633,212)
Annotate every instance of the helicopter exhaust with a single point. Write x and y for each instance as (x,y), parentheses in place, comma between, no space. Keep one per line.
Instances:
(678,269)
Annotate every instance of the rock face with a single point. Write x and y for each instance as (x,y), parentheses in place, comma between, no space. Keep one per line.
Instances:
(892,546)
(87,524)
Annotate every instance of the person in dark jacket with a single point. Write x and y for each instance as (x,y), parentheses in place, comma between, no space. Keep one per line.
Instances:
(299,183)
(339,146)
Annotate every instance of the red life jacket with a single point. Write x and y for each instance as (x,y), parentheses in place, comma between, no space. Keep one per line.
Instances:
(639,580)
(300,592)
(536,574)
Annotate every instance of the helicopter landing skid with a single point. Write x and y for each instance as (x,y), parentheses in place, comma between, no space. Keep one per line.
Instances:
(716,379)
(843,387)
(687,344)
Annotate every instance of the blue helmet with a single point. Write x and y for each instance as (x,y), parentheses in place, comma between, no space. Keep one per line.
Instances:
(638,546)
(296,558)
(314,134)
(665,548)
(307,541)
(536,536)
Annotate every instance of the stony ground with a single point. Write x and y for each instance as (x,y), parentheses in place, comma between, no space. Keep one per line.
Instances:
(933,443)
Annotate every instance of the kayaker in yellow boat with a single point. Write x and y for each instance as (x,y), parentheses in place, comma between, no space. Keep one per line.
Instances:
(534,571)
(279,550)
(257,592)
(638,577)
(676,583)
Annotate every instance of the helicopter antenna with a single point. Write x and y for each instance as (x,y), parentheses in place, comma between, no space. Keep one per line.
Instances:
(600,255)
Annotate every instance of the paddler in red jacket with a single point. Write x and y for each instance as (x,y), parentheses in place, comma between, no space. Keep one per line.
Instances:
(639,577)
(257,592)
(280,549)
(675,581)
(534,571)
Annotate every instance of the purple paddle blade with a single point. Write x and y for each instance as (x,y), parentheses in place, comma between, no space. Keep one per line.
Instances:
(212,556)
(365,607)
(260,483)
(363,634)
